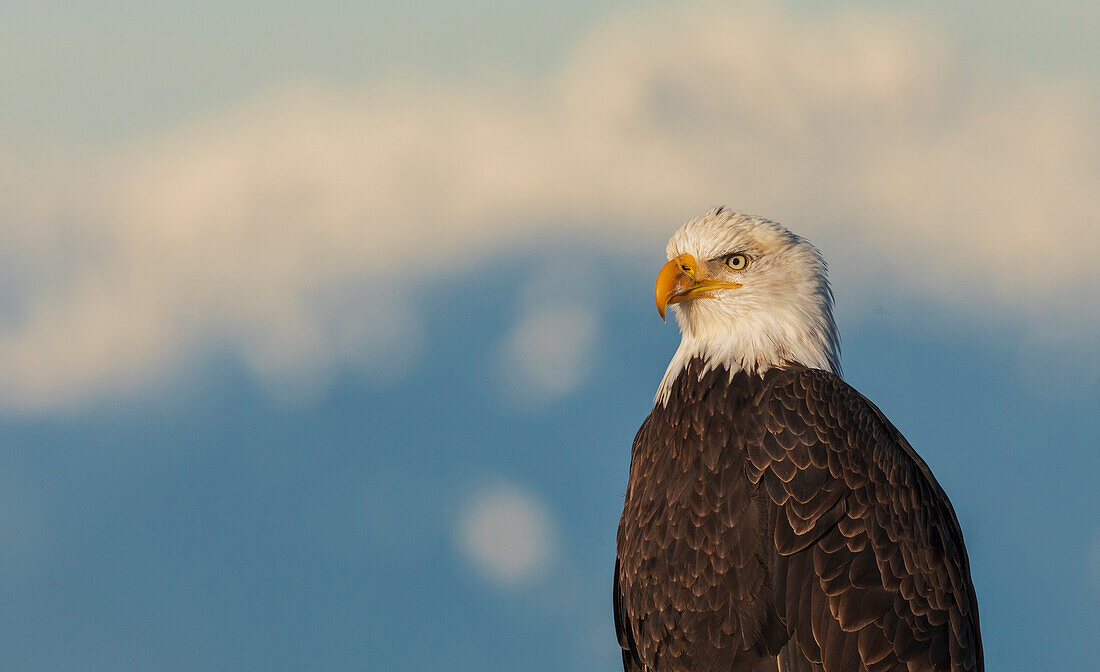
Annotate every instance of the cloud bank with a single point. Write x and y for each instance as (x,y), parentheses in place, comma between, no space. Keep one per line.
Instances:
(296,231)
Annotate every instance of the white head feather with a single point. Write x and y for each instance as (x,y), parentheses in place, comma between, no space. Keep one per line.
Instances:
(781,315)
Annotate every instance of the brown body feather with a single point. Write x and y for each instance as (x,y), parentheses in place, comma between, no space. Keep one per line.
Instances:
(782,517)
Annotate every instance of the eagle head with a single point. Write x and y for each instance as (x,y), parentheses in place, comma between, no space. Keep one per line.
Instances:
(748,295)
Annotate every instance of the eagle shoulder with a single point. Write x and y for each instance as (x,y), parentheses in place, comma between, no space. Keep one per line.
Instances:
(870,571)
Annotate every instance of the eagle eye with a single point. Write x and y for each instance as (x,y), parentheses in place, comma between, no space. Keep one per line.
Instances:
(737,262)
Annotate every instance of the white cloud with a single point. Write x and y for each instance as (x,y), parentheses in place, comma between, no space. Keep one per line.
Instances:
(551,350)
(507,534)
(297,230)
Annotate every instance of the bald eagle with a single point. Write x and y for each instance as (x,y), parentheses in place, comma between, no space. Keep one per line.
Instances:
(774,518)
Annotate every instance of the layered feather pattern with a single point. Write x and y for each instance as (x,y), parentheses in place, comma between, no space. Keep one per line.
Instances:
(781,517)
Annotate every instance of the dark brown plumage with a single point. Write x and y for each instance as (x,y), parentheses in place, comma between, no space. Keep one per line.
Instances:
(781,517)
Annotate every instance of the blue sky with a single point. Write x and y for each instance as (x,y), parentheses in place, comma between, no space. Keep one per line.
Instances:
(326,332)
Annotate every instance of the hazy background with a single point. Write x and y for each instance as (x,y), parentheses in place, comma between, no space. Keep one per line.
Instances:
(325,329)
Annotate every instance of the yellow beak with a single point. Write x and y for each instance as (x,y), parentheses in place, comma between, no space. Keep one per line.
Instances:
(679,281)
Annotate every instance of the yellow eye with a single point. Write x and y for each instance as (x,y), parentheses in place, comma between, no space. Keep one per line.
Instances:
(737,262)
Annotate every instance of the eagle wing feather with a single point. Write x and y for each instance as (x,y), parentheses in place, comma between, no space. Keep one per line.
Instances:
(870,564)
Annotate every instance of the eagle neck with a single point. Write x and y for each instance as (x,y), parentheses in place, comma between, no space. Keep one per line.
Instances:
(705,360)
(736,354)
